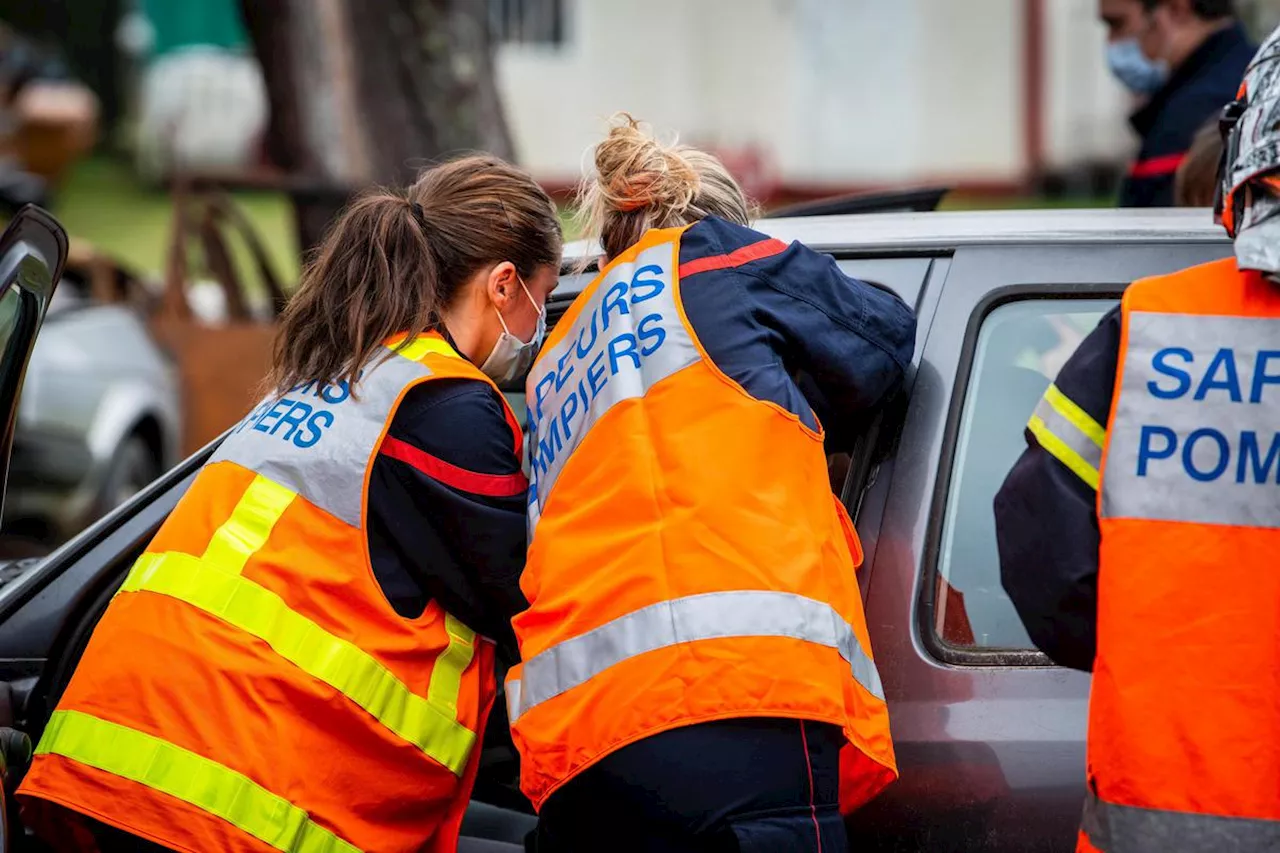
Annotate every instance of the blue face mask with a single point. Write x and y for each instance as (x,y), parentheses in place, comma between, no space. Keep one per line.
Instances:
(1131,67)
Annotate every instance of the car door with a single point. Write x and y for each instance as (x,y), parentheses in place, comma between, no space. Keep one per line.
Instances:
(989,734)
(33,250)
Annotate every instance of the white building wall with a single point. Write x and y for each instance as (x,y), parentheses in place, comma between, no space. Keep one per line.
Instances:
(971,89)
(637,55)
(1086,109)
(834,93)
(854,72)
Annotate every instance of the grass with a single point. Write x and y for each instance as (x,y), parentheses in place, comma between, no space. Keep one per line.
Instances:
(103,202)
(984,202)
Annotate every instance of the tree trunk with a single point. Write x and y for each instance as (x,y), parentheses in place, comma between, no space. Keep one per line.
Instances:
(368,91)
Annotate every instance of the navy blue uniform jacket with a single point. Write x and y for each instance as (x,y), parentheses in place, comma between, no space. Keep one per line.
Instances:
(1195,94)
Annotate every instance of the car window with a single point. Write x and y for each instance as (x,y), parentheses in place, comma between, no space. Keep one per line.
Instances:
(10,301)
(33,252)
(904,276)
(1021,347)
(516,400)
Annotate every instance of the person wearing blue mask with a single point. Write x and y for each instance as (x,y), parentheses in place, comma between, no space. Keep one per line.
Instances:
(1185,58)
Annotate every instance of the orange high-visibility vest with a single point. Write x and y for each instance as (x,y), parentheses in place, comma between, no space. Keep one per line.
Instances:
(250,688)
(1185,702)
(688,561)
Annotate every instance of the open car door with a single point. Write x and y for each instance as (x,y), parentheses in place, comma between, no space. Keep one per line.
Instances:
(33,250)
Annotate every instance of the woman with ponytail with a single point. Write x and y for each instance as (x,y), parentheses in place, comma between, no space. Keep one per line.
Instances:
(303,657)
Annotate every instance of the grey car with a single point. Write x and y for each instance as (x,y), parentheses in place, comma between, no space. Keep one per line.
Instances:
(990,735)
(98,419)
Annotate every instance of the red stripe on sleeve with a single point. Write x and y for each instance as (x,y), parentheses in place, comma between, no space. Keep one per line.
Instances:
(1157,166)
(745,255)
(489,485)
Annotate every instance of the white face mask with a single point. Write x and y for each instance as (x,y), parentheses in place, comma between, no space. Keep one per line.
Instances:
(511,357)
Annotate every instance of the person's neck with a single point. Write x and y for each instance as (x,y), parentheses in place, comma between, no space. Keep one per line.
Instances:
(467,334)
(1194,38)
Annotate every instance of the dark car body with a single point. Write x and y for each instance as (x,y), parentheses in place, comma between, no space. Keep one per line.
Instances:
(990,736)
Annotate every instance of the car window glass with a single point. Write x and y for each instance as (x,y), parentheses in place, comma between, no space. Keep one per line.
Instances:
(1020,349)
(904,276)
(515,399)
(10,300)
(838,471)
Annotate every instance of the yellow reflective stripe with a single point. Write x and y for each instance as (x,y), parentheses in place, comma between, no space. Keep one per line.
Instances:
(250,524)
(1065,454)
(425,345)
(1077,416)
(192,778)
(341,664)
(1069,434)
(446,677)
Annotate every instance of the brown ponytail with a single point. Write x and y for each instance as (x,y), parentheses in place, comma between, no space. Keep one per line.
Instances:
(394,263)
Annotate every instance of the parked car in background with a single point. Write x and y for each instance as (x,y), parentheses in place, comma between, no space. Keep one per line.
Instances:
(99,416)
(989,734)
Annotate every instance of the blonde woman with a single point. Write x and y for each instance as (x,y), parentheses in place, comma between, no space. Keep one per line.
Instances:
(695,654)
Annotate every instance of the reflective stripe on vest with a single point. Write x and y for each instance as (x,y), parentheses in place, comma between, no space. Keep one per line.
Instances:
(250,524)
(1114,828)
(219,589)
(424,346)
(1196,432)
(1069,434)
(636,339)
(708,616)
(192,778)
(446,678)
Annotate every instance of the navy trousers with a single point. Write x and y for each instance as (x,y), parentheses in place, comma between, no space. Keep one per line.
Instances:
(750,785)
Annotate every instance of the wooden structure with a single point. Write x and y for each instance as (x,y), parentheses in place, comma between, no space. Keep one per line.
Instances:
(220,364)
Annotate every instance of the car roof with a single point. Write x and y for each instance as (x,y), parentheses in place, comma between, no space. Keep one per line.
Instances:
(944,231)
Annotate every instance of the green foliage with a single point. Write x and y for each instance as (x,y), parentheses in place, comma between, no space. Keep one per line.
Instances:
(102,202)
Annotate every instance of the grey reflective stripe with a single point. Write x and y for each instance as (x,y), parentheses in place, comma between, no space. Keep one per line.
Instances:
(627,337)
(1212,460)
(318,448)
(687,620)
(1129,829)
(1083,451)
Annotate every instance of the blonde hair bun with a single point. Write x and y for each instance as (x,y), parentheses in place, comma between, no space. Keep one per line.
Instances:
(640,182)
(634,170)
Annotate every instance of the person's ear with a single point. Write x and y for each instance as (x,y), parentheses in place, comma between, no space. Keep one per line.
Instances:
(502,284)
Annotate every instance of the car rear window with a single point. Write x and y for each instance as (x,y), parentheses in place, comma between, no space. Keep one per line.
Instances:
(1020,348)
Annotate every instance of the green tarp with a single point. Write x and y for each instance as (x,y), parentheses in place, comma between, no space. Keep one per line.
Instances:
(183,23)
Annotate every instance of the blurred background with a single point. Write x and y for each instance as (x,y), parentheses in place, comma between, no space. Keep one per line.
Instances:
(196,149)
